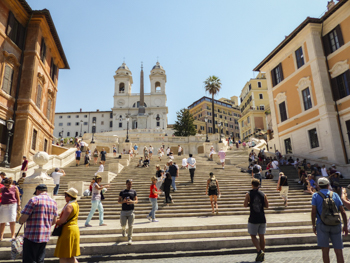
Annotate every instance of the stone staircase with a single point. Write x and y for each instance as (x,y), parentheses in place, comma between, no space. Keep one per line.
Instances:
(187,225)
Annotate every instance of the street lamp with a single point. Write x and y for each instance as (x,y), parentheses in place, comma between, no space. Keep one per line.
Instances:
(9,125)
(81,128)
(127,129)
(206,128)
(93,131)
(219,125)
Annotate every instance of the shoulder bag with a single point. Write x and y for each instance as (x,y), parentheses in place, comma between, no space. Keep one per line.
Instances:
(58,228)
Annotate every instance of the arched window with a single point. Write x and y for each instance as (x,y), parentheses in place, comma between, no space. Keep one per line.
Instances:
(157,87)
(121,87)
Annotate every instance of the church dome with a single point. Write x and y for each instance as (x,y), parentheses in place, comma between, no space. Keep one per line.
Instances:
(124,66)
(157,66)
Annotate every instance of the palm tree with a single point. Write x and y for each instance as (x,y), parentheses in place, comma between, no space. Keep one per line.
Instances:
(213,86)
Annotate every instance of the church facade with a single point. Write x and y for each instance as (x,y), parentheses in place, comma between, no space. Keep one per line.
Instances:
(154,114)
(138,110)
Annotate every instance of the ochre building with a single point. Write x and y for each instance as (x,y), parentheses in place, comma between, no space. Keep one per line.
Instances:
(254,102)
(308,81)
(226,114)
(31,55)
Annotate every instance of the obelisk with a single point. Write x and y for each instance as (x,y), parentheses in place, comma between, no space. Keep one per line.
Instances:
(142,94)
(141,116)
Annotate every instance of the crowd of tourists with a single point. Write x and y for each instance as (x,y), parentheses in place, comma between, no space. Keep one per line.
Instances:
(40,213)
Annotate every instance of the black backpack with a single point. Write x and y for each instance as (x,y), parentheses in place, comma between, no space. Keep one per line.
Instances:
(256,170)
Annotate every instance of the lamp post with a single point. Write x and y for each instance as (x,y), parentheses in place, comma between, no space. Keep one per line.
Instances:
(93,131)
(206,128)
(219,130)
(127,129)
(9,125)
(81,128)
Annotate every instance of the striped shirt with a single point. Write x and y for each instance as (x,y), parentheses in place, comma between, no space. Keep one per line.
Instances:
(41,210)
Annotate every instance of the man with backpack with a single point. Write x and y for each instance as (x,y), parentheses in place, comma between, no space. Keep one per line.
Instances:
(327,207)
(257,202)
(256,172)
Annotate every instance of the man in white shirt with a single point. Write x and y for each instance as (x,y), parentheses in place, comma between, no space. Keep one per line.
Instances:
(275,164)
(56,176)
(179,150)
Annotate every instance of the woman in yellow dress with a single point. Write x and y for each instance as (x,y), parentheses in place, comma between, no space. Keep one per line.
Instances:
(68,244)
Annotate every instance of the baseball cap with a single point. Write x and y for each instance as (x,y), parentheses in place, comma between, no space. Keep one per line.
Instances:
(323,181)
(41,187)
(129,181)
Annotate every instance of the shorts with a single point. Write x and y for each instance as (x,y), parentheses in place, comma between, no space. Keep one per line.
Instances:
(114,151)
(254,229)
(222,160)
(324,233)
(150,152)
(77,158)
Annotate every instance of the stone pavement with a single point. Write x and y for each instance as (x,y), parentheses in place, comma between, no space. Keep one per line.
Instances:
(301,256)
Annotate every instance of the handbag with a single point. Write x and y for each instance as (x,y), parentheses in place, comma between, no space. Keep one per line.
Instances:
(17,245)
(58,228)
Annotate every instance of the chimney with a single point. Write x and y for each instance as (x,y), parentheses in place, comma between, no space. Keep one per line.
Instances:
(80,109)
(97,110)
(330,5)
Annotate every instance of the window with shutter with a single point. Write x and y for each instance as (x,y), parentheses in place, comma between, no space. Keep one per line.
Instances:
(283,111)
(341,85)
(15,31)
(35,133)
(53,70)
(299,57)
(313,138)
(333,40)
(277,75)
(48,110)
(7,81)
(307,99)
(38,96)
(43,50)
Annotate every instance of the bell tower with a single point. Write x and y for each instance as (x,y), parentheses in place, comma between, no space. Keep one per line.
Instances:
(122,86)
(157,79)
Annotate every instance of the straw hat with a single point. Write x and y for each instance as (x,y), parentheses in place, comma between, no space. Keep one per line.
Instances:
(72,192)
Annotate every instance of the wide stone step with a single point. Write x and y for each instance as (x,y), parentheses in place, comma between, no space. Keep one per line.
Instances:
(110,248)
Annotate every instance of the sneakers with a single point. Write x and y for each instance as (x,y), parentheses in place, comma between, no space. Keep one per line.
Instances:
(149,218)
(130,242)
(124,232)
(155,220)
(88,225)
(260,256)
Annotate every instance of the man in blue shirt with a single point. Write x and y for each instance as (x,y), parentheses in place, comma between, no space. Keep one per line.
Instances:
(135,149)
(77,156)
(326,232)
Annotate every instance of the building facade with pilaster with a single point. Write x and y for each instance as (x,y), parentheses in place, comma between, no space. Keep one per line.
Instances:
(308,81)
(31,56)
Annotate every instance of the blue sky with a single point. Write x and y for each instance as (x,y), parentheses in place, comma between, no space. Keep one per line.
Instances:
(192,39)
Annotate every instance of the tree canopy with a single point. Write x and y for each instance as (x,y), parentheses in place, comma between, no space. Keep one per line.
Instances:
(184,126)
(213,86)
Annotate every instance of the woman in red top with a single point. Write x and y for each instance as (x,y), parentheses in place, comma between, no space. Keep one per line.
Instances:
(10,203)
(153,199)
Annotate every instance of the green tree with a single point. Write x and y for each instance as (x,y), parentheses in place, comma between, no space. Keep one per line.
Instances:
(184,125)
(213,86)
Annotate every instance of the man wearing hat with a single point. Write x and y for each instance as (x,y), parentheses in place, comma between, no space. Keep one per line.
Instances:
(39,214)
(325,232)
(128,198)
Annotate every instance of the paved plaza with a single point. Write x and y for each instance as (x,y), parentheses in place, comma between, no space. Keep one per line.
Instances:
(301,256)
